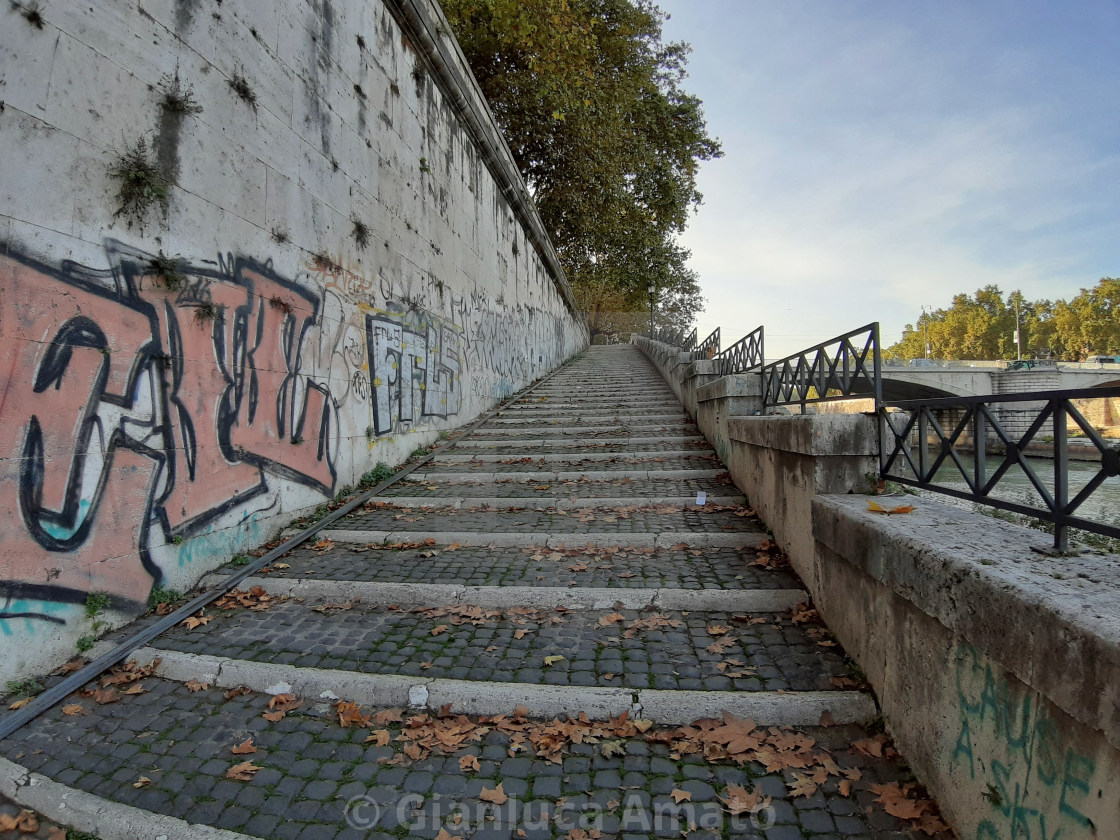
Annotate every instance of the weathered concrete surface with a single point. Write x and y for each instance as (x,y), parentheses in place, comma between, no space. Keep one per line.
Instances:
(997,669)
(344,262)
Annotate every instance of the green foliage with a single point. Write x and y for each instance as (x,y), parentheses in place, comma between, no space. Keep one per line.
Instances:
(24,688)
(590,101)
(175,98)
(85,643)
(982,326)
(97,603)
(140,183)
(241,560)
(382,472)
(159,595)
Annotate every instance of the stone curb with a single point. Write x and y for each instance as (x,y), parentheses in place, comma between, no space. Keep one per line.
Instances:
(590,475)
(541,597)
(665,539)
(541,443)
(766,708)
(535,502)
(688,426)
(553,457)
(648,419)
(104,818)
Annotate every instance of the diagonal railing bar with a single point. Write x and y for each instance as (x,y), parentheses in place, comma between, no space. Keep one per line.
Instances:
(744,355)
(689,342)
(843,367)
(709,347)
(987,417)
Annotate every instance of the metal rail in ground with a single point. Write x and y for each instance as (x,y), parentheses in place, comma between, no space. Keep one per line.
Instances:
(43,702)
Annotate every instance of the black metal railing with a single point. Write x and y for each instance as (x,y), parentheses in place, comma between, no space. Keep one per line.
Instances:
(948,445)
(689,341)
(841,368)
(709,347)
(745,354)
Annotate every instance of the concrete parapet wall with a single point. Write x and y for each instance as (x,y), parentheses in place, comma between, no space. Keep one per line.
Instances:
(997,668)
(339,260)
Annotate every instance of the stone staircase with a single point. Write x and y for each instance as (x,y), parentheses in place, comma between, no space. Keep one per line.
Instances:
(579,553)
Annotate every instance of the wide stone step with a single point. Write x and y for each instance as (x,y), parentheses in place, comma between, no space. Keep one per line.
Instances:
(513,567)
(476,476)
(608,646)
(479,440)
(558,539)
(540,500)
(569,457)
(718,489)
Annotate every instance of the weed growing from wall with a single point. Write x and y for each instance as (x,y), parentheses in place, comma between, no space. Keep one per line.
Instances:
(175,98)
(140,184)
(240,85)
(167,271)
(279,236)
(206,312)
(31,12)
(360,233)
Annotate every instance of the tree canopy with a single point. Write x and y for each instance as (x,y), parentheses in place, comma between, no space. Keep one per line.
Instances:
(590,101)
(982,326)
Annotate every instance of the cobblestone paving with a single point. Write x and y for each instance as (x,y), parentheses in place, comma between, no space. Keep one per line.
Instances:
(647,462)
(549,521)
(709,568)
(639,488)
(314,774)
(677,652)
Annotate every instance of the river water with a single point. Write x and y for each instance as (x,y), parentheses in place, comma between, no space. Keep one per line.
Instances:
(1102,506)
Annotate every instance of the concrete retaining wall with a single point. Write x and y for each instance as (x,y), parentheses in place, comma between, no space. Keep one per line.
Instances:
(997,668)
(340,260)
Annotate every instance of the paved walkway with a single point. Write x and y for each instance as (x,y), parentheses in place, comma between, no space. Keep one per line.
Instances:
(569,624)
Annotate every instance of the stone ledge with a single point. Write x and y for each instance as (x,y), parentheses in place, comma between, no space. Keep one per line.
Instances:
(809,434)
(735,385)
(980,579)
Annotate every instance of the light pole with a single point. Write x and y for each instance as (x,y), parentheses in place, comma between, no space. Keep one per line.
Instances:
(1018,333)
(652,289)
(925,326)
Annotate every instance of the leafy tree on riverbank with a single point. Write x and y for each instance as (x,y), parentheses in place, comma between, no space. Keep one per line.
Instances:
(982,326)
(590,101)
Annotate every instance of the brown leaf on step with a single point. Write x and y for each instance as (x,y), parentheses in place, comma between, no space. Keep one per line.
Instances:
(104,696)
(25,822)
(135,688)
(242,772)
(520,634)
(238,692)
(75,709)
(273,717)
(142,782)
(444,834)
(469,763)
(521,711)
(379,737)
(609,676)
(75,664)
(195,685)
(350,714)
(718,630)
(680,796)
(497,795)
(193,621)
(442,628)
(611,618)
(802,785)
(877,746)
(739,800)
(844,682)
(388,716)
(284,702)
(895,801)
(244,748)
(679,547)
(19,704)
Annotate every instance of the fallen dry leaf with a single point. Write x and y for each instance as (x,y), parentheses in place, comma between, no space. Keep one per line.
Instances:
(244,748)
(75,709)
(497,795)
(273,717)
(242,772)
(680,796)
(19,704)
(142,782)
(549,661)
(193,621)
(739,800)
(25,822)
(469,763)
(195,685)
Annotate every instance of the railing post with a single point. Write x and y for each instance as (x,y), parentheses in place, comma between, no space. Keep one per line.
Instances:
(1061,478)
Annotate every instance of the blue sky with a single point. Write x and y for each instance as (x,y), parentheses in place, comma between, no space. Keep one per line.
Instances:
(882,156)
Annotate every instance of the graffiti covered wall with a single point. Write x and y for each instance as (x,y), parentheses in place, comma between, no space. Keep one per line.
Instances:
(335,265)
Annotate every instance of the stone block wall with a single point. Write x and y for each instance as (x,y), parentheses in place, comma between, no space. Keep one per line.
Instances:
(248,250)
